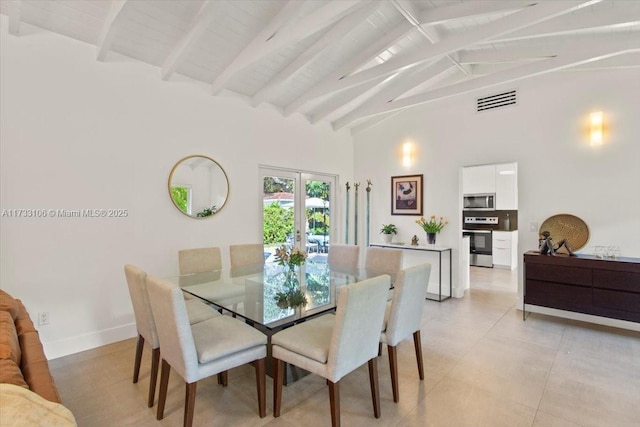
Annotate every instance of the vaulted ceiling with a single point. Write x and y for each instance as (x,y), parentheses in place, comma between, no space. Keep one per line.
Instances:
(351,63)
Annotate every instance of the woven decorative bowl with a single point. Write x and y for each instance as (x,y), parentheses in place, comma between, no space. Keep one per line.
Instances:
(565,226)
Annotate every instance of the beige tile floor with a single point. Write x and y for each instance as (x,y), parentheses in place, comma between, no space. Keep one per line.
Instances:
(484,366)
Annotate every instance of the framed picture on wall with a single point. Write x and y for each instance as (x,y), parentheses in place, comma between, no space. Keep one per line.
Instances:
(406,195)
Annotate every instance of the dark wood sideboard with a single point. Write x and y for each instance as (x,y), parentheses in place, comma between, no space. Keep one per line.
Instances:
(583,284)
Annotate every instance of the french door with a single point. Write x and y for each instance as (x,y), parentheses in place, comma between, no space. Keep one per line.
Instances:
(297,210)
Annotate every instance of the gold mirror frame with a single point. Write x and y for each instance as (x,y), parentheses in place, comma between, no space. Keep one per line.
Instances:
(194,204)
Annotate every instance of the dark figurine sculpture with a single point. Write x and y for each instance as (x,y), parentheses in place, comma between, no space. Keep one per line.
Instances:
(546,246)
(414,240)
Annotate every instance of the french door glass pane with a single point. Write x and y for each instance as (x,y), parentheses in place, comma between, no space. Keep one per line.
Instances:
(279,222)
(297,211)
(317,217)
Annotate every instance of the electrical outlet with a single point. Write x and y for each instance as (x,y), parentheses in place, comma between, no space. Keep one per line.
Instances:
(43,318)
(533,227)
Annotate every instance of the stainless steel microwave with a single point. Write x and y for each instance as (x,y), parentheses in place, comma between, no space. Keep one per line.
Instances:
(479,202)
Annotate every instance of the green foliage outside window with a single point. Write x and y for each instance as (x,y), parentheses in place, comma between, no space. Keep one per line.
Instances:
(179,196)
(274,184)
(319,189)
(278,222)
(318,222)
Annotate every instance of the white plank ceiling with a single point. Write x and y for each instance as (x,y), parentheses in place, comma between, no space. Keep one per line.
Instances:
(351,63)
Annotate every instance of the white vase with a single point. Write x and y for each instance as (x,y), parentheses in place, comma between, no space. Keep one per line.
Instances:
(387,238)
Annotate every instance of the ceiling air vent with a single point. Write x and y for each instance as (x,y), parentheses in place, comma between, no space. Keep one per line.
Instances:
(496,101)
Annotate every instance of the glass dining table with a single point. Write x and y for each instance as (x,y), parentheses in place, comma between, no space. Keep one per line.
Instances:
(250,293)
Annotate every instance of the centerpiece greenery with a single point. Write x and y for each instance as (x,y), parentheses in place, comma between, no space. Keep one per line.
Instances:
(292,296)
(290,258)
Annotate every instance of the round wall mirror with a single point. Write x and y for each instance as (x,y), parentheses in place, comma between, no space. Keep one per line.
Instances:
(198,186)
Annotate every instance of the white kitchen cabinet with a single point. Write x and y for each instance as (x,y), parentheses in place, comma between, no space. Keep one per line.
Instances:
(505,249)
(506,186)
(479,179)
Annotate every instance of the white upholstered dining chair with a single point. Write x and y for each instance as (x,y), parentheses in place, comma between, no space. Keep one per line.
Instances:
(145,324)
(246,259)
(383,261)
(199,351)
(344,258)
(404,317)
(246,254)
(199,260)
(334,345)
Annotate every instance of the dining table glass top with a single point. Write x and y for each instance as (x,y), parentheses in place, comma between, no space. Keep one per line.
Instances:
(251,292)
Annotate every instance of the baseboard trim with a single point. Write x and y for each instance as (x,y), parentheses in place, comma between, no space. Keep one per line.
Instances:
(458,292)
(605,321)
(67,346)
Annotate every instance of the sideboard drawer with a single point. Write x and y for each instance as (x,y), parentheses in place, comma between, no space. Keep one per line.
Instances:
(557,295)
(617,300)
(559,274)
(620,280)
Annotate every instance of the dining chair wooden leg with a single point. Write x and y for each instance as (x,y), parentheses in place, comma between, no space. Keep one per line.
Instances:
(393,367)
(334,402)
(223,378)
(261,385)
(155,361)
(138,359)
(278,376)
(189,403)
(375,389)
(164,385)
(418,345)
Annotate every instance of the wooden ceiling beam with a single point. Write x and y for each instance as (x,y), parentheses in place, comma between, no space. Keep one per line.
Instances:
(627,45)
(105,39)
(524,51)
(372,122)
(283,30)
(15,11)
(354,63)
(397,87)
(516,21)
(584,19)
(193,33)
(470,9)
(341,99)
(337,32)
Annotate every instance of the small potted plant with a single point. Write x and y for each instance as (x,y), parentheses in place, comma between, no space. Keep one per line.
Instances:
(387,231)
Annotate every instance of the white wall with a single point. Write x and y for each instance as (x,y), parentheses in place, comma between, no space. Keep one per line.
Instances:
(546,134)
(77,133)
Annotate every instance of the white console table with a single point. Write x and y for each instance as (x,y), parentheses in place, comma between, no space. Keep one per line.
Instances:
(428,248)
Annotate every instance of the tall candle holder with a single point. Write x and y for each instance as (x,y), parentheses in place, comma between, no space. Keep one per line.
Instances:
(346,228)
(355,222)
(368,227)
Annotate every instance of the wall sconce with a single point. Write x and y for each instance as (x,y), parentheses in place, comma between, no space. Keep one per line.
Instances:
(596,126)
(406,154)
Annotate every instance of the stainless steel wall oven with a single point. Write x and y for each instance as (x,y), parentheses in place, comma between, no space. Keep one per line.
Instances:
(479,230)
(480,246)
